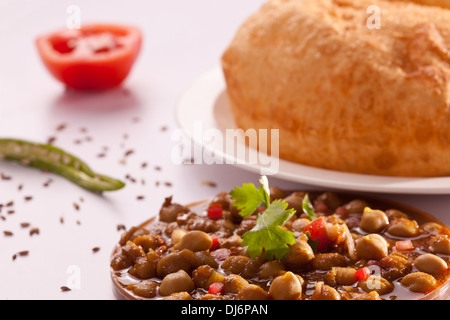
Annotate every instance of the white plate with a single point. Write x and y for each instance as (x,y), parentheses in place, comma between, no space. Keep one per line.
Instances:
(203,113)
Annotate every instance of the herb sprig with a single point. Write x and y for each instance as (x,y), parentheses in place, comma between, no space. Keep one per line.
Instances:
(268,234)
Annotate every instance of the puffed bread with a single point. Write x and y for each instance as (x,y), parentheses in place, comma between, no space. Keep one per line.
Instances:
(346,97)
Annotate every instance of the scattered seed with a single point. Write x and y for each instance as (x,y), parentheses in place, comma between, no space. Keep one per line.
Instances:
(4,176)
(25,224)
(144,165)
(34,231)
(61,127)
(47,183)
(95,249)
(20,187)
(8,233)
(65,289)
(61,220)
(168,184)
(209,183)
(164,128)
(10,212)
(140,197)
(128,153)
(76,206)
(9,204)
(20,253)
(121,227)
(158,168)
(51,140)
(101,155)
(28,198)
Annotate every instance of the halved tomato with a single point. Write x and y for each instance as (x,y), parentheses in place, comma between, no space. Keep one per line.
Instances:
(95,57)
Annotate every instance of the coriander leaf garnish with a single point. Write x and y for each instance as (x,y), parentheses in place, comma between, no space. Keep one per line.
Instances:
(248,198)
(313,244)
(268,234)
(265,185)
(308,208)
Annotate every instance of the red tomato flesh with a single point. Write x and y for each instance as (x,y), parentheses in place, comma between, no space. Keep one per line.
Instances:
(95,57)
(318,232)
(215,211)
(362,274)
(216,288)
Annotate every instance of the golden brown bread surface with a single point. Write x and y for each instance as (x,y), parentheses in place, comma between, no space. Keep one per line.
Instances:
(346,97)
(439,3)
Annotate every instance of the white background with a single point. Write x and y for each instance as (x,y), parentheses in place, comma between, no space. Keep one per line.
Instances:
(182,39)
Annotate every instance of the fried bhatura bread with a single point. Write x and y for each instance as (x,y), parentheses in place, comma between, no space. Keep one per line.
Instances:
(345,96)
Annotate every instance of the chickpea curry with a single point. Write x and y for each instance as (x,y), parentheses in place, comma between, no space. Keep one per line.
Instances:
(265,243)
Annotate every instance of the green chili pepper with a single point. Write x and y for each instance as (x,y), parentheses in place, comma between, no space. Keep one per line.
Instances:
(49,158)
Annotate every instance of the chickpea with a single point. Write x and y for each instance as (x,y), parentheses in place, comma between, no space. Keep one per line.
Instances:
(419,282)
(286,287)
(145,267)
(176,282)
(252,292)
(295,200)
(271,269)
(440,244)
(178,260)
(205,258)
(177,234)
(179,296)
(300,253)
(235,264)
(233,241)
(326,261)
(204,276)
(234,283)
(325,292)
(371,247)
(195,241)
(340,276)
(430,263)
(169,211)
(373,295)
(145,288)
(355,206)
(376,283)
(373,220)
(299,224)
(276,193)
(432,227)
(393,214)
(403,227)
(330,199)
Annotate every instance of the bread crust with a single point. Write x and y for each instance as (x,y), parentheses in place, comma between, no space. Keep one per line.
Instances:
(346,97)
